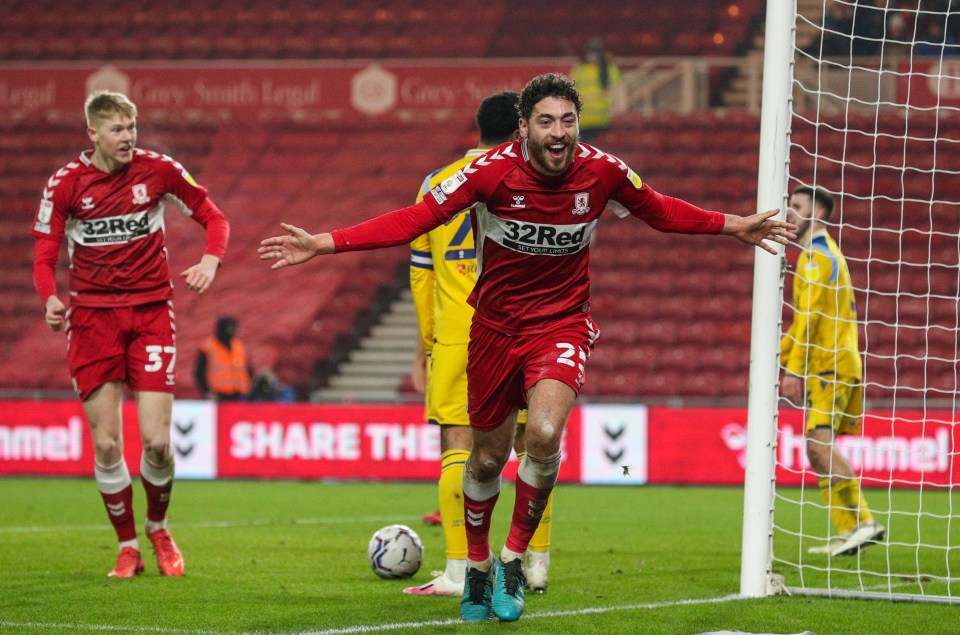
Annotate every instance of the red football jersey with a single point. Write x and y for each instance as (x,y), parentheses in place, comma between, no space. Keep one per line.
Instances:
(114,226)
(533,232)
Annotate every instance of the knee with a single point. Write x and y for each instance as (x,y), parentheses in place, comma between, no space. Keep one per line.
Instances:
(158,451)
(487,465)
(818,455)
(107,450)
(543,438)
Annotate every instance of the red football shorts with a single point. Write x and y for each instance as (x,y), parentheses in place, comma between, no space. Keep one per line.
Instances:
(132,344)
(502,368)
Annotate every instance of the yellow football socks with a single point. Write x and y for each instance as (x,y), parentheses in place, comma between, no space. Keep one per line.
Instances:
(451,502)
(848,507)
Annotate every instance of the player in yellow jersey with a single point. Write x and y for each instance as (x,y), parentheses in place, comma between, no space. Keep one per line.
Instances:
(443,271)
(821,350)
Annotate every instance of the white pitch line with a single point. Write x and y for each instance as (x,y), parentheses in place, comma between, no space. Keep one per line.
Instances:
(268,522)
(368,628)
(376,628)
(101,627)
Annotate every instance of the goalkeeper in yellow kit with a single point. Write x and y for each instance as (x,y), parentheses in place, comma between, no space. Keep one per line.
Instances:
(443,271)
(821,350)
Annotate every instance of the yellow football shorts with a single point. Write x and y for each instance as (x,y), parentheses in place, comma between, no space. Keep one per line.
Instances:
(834,402)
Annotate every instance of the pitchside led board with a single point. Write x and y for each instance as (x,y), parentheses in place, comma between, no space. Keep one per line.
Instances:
(602,444)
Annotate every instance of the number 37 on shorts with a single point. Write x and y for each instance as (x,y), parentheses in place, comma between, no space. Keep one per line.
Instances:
(155,361)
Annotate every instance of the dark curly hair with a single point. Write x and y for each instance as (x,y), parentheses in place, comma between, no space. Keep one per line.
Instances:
(547,85)
(497,117)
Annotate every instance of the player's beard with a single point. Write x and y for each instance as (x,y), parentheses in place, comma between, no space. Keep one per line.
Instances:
(549,165)
(804,230)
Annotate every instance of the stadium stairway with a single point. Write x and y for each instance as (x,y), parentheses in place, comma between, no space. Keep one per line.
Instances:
(378,368)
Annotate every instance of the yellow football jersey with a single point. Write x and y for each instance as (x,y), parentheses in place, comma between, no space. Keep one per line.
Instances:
(823,338)
(443,270)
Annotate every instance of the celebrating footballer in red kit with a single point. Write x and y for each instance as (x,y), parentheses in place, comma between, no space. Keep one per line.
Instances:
(109,203)
(532,332)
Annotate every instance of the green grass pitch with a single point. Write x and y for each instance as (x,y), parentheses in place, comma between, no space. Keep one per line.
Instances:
(290,557)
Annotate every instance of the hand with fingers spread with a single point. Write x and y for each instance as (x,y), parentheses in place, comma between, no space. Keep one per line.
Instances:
(757,228)
(296,247)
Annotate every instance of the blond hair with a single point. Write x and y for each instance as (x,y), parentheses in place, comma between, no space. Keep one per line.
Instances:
(103,104)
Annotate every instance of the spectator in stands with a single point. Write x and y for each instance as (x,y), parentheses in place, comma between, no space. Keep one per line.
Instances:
(849,30)
(222,369)
(268,387)
(443,271)
(537,202)
(935,41)
(109,203)
(823,369)
(598,81)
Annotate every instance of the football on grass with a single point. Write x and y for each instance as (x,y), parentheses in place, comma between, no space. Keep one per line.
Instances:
(395,552)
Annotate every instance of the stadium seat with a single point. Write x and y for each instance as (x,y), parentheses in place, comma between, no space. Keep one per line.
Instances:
(493,28)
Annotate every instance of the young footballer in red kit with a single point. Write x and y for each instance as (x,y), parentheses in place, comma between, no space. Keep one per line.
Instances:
(532,331)
(109,203)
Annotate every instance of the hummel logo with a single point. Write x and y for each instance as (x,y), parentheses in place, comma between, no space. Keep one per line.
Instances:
(86,202)
(535,508)
(116,509)
(518,202)
(474,518)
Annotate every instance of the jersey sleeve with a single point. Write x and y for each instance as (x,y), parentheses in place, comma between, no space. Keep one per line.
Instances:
(217,228)
(796,343)
(194,201)
(399,227)
(180,185)
(423,277)
(48,232)
(45,255)
(422,286)
(630,195)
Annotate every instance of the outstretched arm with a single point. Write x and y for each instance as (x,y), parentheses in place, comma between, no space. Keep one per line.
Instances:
(387,230)
(759,227)
(296,247)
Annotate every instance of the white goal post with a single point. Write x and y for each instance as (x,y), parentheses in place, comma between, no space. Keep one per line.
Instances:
(863,99)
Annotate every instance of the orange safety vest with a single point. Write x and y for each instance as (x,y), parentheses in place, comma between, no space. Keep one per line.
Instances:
(227,372)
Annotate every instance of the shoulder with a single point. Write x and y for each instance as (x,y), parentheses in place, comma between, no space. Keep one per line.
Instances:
(63,181)
(609,167)
(824,249)
(438,176)
(501,158)
(162,165)
(156,160)
(481,174)
(70,170)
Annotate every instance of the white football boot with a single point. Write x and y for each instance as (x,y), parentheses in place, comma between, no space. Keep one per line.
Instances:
(535,566)
(442,584)
(861,537)
(850,542)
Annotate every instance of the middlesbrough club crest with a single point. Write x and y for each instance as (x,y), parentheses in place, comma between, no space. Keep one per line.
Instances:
(140,195)
(581,203)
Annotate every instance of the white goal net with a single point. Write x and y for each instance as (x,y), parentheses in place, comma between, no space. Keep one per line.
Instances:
(874,118)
